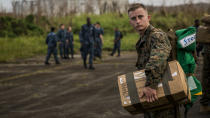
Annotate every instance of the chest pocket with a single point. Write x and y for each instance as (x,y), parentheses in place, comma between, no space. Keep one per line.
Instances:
(89,30)
(143,48)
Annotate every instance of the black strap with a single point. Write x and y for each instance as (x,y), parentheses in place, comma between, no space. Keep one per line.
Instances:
(168,77)
(133,93)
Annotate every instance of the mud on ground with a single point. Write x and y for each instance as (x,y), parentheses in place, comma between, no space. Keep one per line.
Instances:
(30,89)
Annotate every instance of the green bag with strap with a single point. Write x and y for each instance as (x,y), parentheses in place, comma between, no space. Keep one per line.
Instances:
(186,39)
(186,44)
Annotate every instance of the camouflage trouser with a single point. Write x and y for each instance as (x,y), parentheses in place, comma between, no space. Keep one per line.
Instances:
(167,113)
(205,100)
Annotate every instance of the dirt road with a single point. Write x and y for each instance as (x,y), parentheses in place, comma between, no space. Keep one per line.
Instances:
(32,90)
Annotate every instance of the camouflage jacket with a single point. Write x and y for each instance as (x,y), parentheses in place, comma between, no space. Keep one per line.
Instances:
(206,48)
(153,50)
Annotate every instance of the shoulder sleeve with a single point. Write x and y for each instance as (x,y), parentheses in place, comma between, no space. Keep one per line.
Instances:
(47,39)
(59,35)
(102,31)
(160,51)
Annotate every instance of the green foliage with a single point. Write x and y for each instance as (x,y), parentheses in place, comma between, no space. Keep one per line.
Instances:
(30,19)
(12,27)
(21,47)
(107,21)
(25,46)
(127,43)
(26,37)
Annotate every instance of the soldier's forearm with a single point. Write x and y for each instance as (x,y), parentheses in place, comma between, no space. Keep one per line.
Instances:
(151,80)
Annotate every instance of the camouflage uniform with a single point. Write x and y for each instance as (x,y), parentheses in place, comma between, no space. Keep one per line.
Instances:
(206,76)
(153,50)
(205,100)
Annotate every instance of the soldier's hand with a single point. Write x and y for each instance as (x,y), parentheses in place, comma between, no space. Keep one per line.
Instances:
(149,93)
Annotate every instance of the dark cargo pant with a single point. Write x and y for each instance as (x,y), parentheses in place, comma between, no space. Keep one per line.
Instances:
(62,49)
(116,48)
(85,50)
(205,100)
(51,51)
(166,113)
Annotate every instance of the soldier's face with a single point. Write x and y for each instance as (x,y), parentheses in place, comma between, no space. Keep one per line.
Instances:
(139,19)
(97,25)
(70,29)
(62,27)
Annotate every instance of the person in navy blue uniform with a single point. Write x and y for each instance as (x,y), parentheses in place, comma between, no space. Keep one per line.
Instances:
(70,42)
(117,42)
(99,40)
(62,42)
(51,42)
(87,43)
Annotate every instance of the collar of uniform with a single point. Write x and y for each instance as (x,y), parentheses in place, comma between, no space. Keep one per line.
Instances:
(149,28)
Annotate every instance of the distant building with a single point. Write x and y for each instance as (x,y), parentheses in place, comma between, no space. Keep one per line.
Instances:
(65,7)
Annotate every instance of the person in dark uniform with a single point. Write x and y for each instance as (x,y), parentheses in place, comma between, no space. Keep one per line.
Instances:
(199,46)
(62,42)
(117,42)
(99,40)
(87,43)
(51,41)
(205,99)
(69,42)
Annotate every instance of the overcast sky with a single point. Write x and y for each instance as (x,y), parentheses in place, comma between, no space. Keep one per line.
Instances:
(6,4)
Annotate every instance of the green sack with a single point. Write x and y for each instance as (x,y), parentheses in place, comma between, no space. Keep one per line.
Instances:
(186,43)
(186,39)
(195,90)
(186,60)
(194,86)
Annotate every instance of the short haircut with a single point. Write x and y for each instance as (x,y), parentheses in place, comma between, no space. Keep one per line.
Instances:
(61,25)
(98,23)
(196,21)
(135,6)
(52,29)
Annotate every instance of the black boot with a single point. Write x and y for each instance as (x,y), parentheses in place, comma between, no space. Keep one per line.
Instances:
(47,63)
(91,67)
(57,62)
(85,65)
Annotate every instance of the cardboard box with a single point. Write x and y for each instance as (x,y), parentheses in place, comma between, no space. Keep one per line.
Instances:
(171,91)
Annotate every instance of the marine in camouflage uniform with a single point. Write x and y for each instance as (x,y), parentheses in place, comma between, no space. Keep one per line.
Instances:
(153,51)
(203,37)
(205,100)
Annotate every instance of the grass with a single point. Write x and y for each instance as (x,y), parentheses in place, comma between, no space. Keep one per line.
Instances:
(28,46)
(21,47)
(25,46)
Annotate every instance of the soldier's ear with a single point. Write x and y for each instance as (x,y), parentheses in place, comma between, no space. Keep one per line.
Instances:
(149,17)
